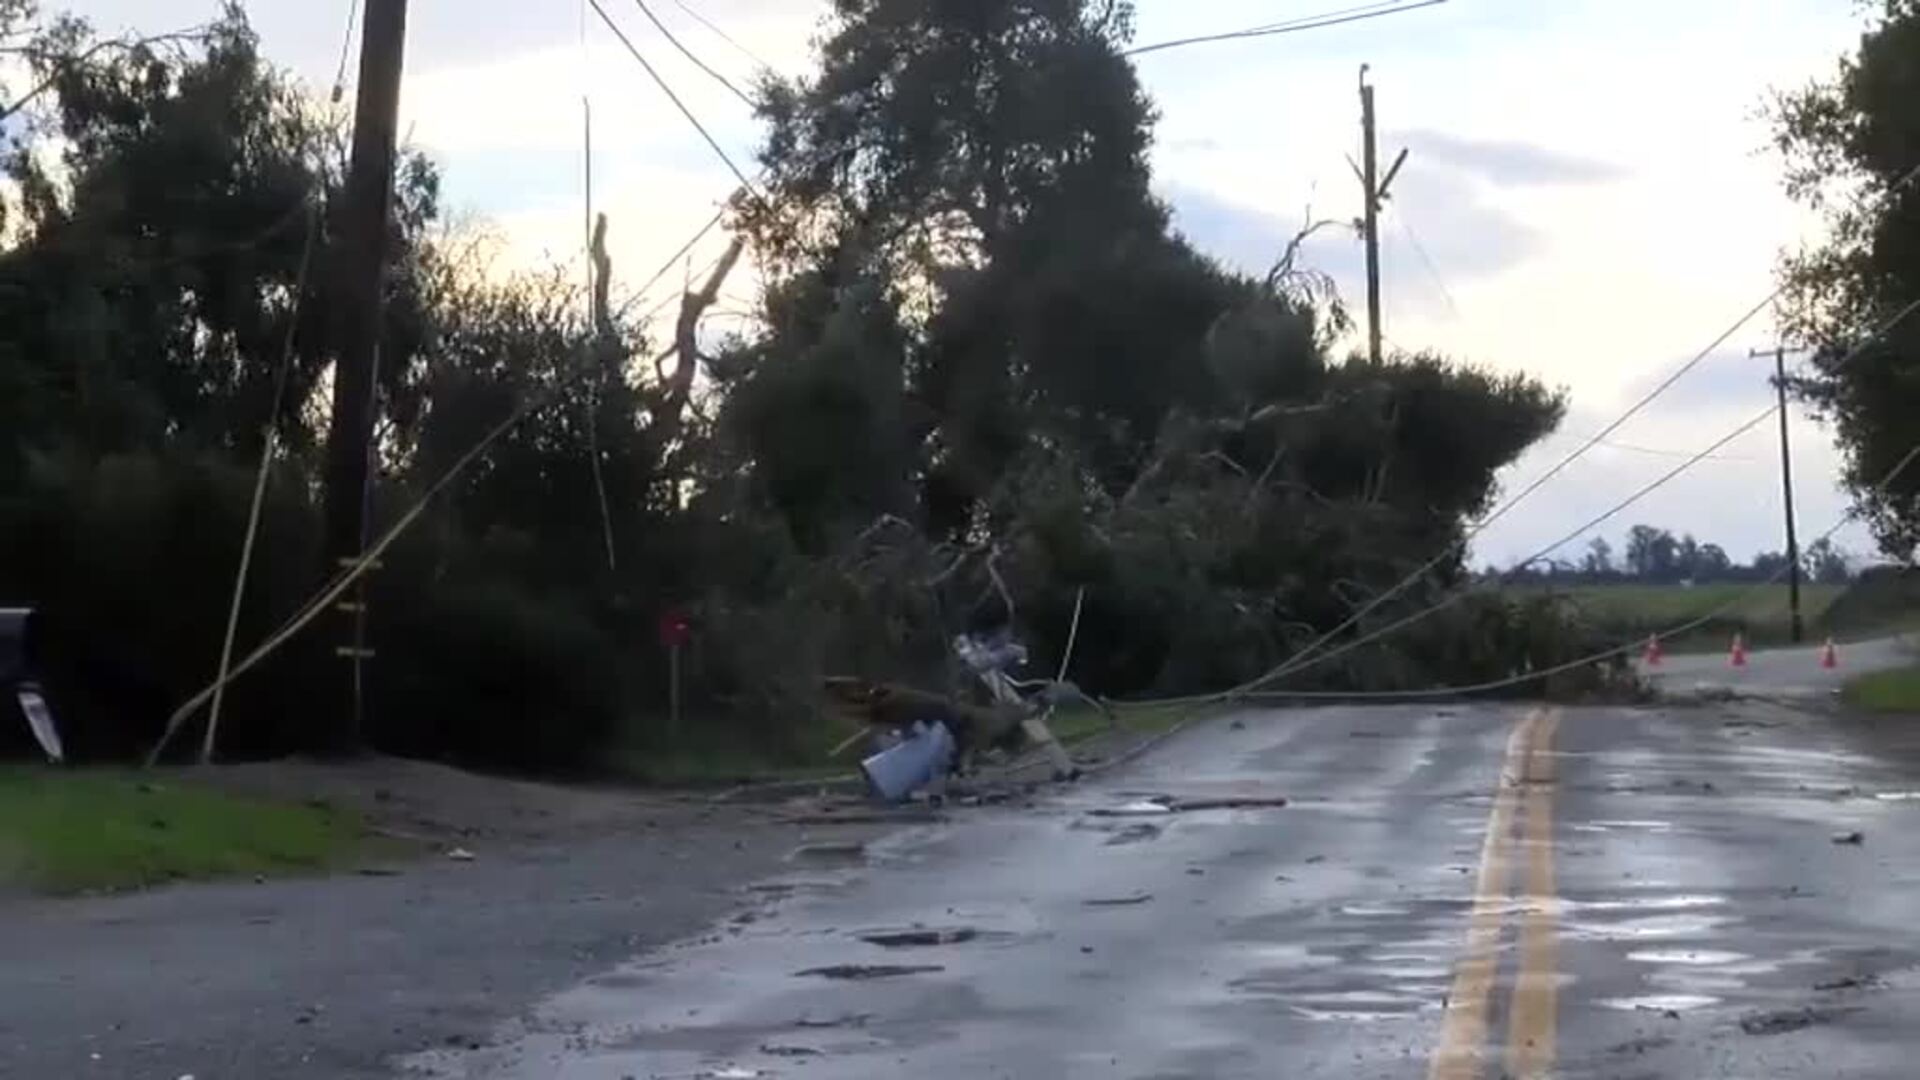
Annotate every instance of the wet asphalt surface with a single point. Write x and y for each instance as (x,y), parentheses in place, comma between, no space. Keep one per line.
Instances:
(1470,891)
(1452,892)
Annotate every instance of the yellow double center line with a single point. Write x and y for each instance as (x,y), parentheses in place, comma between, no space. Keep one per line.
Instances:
(1525,796)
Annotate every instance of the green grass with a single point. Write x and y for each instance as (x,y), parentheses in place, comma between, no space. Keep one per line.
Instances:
(1082,722)
(1882,601)
(67,831)
(1895,691)
(1761,613)
(1673,604)
(720,768)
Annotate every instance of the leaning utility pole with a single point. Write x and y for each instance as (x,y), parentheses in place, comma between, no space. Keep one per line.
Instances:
(1375,190)
(359,290)
(1779,354)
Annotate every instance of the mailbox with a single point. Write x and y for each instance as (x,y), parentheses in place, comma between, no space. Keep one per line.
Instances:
(19,629)
(19,646)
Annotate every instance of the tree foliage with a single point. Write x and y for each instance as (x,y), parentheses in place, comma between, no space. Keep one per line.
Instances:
(982,355)
(1655,556)
(1851,145)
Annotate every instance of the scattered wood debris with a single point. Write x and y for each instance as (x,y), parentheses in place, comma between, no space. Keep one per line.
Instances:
(869,971)
(1120,901)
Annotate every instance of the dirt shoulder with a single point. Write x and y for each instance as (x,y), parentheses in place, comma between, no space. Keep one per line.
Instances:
(333,977)
(442,806)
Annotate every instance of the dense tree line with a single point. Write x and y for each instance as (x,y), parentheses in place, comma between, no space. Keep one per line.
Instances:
(1655,556)
(984,363)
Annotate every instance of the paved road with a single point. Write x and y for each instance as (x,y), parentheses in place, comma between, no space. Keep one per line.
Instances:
(1453,893)
(1779,672)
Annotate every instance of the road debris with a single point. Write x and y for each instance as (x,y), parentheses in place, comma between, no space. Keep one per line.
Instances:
(847,1021)
(1641,1045)
(831,853)
(859,972)
(1120,901)
(1242,802)
(1134,834)
(1854,839)
(778,1050)
(1851,982)
(907,939)
(1781,1021)
(1160,805)
(460,854)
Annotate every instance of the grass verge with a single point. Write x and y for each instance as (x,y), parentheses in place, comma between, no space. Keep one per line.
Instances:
(1896,691)
(1079,723)
(66,831)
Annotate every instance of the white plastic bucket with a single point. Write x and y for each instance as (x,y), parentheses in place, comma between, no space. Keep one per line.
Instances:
(895,773)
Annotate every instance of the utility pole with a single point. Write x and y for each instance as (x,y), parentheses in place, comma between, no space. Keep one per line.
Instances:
(1779,354)
(359,291)
(1375,190)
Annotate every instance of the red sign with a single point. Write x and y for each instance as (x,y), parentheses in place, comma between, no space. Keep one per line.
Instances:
(675,628)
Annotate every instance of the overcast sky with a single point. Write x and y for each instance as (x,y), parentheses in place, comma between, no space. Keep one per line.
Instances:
(1588,198)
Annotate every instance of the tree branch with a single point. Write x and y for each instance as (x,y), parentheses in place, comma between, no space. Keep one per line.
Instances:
(195,35)
(1283,268)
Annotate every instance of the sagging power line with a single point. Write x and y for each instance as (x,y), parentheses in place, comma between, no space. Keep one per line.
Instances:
(667,88)
(689,54)
(1292,26)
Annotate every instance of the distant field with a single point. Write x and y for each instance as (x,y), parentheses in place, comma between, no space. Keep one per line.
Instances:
(1671,604)
(1761,613)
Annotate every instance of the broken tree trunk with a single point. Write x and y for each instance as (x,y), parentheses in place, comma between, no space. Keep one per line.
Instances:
(670,399)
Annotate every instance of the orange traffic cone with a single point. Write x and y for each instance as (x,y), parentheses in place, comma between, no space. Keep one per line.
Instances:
(1738,658)
(1653,655)
(1829,655)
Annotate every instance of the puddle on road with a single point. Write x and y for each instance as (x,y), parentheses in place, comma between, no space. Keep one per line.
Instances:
(1686,957)
(1374,911)
(830,854)
(1625,826)
(1651,902)
(1366,1006)
(1659,1003)
(1412,973)
(1347,1016)
(1653,926)
(1278,956)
